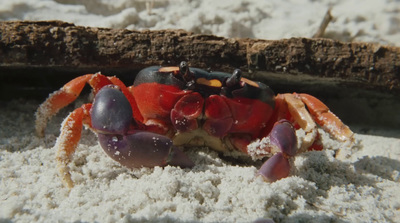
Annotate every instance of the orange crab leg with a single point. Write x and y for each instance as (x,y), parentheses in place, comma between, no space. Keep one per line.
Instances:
(301,117)
(299,112)
(326,119)
(57,100)
(70,91)
(68,140)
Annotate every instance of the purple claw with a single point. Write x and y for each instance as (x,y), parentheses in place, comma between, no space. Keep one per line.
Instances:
(143,149)
(275,168)
(111,111)
(284,137)
(112,117)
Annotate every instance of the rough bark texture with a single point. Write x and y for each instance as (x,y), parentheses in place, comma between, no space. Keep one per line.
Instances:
(59,45)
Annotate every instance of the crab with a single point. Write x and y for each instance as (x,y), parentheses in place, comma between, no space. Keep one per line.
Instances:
(145,125)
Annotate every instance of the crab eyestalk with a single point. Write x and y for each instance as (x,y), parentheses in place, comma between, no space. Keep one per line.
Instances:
(234,80)
(183,68)
(187,76)
(232,83)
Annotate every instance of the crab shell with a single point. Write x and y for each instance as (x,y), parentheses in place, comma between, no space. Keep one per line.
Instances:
(204,111)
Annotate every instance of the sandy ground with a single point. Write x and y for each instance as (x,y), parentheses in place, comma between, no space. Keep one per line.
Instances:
(360,187)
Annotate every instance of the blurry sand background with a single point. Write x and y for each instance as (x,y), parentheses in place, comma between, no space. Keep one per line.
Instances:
(362,187)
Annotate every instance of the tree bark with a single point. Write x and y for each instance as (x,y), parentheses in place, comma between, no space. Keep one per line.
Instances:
(59,45)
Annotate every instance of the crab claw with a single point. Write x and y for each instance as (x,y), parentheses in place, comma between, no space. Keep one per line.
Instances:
(112,118)
(275,168)
(284,138)
(143,149)
(111,111)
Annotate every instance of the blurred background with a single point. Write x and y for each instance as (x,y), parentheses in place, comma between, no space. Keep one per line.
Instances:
(353,20)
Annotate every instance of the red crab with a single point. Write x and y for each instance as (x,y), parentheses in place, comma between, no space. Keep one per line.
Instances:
(142,125)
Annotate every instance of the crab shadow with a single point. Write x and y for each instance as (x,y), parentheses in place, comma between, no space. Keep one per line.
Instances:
(205,158)
(327,172)
(380,166)
(303,217)
(317,167)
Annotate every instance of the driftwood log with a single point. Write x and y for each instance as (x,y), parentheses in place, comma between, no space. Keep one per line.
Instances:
(360,82)
(58,46)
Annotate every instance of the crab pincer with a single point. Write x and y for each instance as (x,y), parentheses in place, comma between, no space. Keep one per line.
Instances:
(143,149)
(112,119)
(283,138)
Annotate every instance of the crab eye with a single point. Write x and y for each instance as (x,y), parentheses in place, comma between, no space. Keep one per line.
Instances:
(234,79)
(183,67)
(111,111)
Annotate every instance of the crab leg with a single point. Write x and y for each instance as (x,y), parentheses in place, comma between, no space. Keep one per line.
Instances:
(326,119)
(302,117)
(68,140)
(57,100)
(70,92)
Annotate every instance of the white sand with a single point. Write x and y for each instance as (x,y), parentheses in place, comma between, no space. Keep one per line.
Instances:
(363,187)
(367,20)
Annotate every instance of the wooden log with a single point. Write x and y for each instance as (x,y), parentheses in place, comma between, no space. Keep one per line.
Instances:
(60,45)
